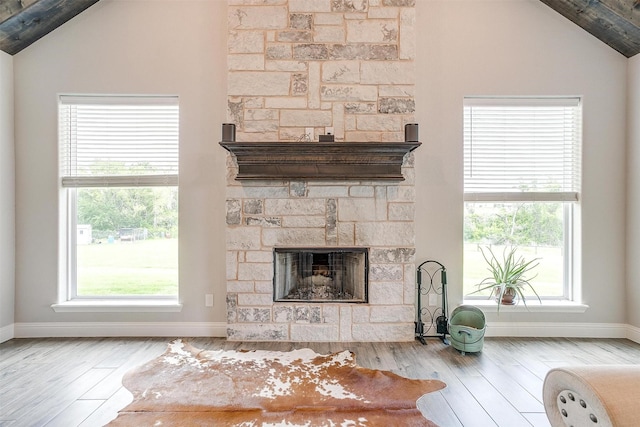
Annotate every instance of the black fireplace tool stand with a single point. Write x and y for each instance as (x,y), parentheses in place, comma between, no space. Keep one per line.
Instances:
(432,318)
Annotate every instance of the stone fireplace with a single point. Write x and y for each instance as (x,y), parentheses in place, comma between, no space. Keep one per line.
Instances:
(334,66)
(265,215)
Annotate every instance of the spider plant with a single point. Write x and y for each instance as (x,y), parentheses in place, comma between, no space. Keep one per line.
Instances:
(509,275)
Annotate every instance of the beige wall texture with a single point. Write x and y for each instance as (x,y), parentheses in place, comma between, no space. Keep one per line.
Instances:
(520,48)
(474,47)
(131,47)
(7,197)
(633,193)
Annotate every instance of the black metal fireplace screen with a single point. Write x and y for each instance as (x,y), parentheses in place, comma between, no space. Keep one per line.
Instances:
(320,274)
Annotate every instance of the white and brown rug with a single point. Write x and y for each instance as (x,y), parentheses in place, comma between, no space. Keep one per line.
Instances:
(191,387)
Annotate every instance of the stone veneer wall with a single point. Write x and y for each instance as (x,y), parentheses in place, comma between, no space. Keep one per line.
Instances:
(261,216)
(346,64)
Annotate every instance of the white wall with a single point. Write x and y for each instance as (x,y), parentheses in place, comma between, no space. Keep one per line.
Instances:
(633,192)
(7,199)
(464,47)
(126,46)
(520,47)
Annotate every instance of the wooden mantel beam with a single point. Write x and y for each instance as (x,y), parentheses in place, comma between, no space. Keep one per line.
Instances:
(320,160)
(22,22)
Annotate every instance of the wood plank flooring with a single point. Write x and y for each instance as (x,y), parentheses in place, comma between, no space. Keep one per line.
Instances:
(77,381)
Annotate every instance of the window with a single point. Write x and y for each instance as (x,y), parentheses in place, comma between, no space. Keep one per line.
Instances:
(522,186)
(119,178)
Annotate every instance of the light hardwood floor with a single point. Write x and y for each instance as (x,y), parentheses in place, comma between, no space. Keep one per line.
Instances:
(77,382)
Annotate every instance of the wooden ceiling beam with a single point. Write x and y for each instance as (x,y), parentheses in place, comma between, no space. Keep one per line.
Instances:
(8,8)
(22,22)
(626,9)
(615,22)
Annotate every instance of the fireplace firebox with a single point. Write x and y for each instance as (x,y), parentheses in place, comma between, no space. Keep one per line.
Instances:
(320,275)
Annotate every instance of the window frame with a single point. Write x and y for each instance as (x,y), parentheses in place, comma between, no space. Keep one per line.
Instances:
(68,297)
(570,202)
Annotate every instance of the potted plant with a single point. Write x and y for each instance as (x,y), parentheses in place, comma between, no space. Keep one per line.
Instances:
(509,276)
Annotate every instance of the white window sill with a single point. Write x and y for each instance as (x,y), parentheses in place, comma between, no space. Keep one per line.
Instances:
(118,306)
(547,306)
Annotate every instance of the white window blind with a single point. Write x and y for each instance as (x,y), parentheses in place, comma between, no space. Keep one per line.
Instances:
(118,140)
(522,149)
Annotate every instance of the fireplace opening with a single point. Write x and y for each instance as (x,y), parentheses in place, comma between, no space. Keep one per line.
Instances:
(320,274)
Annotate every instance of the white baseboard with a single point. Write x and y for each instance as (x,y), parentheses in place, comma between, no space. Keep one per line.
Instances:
(120,329)
(633,333)
(560,329)
(7,333)
(219,329)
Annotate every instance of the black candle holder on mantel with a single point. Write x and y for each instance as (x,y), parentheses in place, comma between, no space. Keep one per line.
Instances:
(435,319)
(411,132)
(228,132)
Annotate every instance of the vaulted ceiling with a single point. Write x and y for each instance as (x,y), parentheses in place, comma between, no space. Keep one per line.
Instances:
(615,22)
(22,22)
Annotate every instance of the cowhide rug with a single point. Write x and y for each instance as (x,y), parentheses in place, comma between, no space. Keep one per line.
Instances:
(191,387)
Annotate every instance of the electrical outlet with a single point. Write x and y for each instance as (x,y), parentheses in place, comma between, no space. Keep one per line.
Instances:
(309,132)
(329,131)
(208,300)
(433,300)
